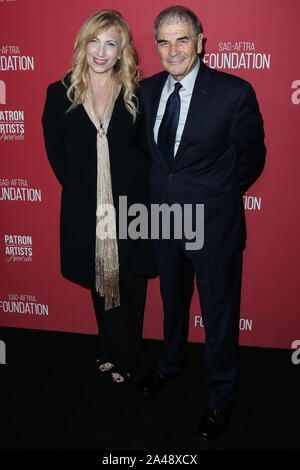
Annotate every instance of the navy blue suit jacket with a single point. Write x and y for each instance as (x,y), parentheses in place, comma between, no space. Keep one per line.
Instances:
(220,155)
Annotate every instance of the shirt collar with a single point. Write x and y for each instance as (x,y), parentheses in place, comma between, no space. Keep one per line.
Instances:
(188,81)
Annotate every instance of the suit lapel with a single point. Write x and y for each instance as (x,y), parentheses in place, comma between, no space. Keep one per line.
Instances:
(198,103)
(155,98)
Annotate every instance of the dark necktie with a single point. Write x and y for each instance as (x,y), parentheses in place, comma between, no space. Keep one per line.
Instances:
(168,127)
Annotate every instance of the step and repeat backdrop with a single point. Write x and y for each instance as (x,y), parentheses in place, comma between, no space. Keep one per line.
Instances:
(254,39)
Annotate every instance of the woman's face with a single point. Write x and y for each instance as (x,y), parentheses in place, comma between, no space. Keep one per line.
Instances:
(103,50)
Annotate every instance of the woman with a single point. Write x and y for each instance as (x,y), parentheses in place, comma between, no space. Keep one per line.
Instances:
(92,129)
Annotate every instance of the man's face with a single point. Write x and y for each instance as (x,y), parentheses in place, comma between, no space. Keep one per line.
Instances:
(178,48)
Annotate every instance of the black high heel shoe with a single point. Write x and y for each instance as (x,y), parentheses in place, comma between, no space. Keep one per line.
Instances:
(104,365)
(120,376)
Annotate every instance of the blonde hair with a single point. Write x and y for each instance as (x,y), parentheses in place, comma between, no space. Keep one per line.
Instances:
(126,69)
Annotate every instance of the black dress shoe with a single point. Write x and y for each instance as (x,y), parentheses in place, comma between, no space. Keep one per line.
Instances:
(153,382)
(213,424)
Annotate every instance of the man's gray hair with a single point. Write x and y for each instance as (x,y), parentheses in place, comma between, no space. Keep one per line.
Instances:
(177,13)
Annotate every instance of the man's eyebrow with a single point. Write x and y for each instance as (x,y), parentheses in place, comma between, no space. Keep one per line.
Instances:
(182,37)
(159,41)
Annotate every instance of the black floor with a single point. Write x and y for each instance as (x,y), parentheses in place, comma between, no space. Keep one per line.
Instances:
(52,398)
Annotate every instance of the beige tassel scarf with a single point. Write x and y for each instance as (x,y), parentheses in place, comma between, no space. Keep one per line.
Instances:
(106,252)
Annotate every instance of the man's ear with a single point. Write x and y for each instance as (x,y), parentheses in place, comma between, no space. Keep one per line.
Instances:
(199,43)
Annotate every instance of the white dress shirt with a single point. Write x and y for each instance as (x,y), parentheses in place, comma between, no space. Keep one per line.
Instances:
(185,94)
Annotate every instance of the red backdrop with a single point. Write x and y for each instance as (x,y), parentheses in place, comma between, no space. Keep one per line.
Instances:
(254,39)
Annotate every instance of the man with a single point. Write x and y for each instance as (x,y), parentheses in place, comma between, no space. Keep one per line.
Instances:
(206,141)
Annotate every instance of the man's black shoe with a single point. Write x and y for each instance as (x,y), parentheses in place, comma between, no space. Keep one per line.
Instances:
(153,382)
(213,424)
